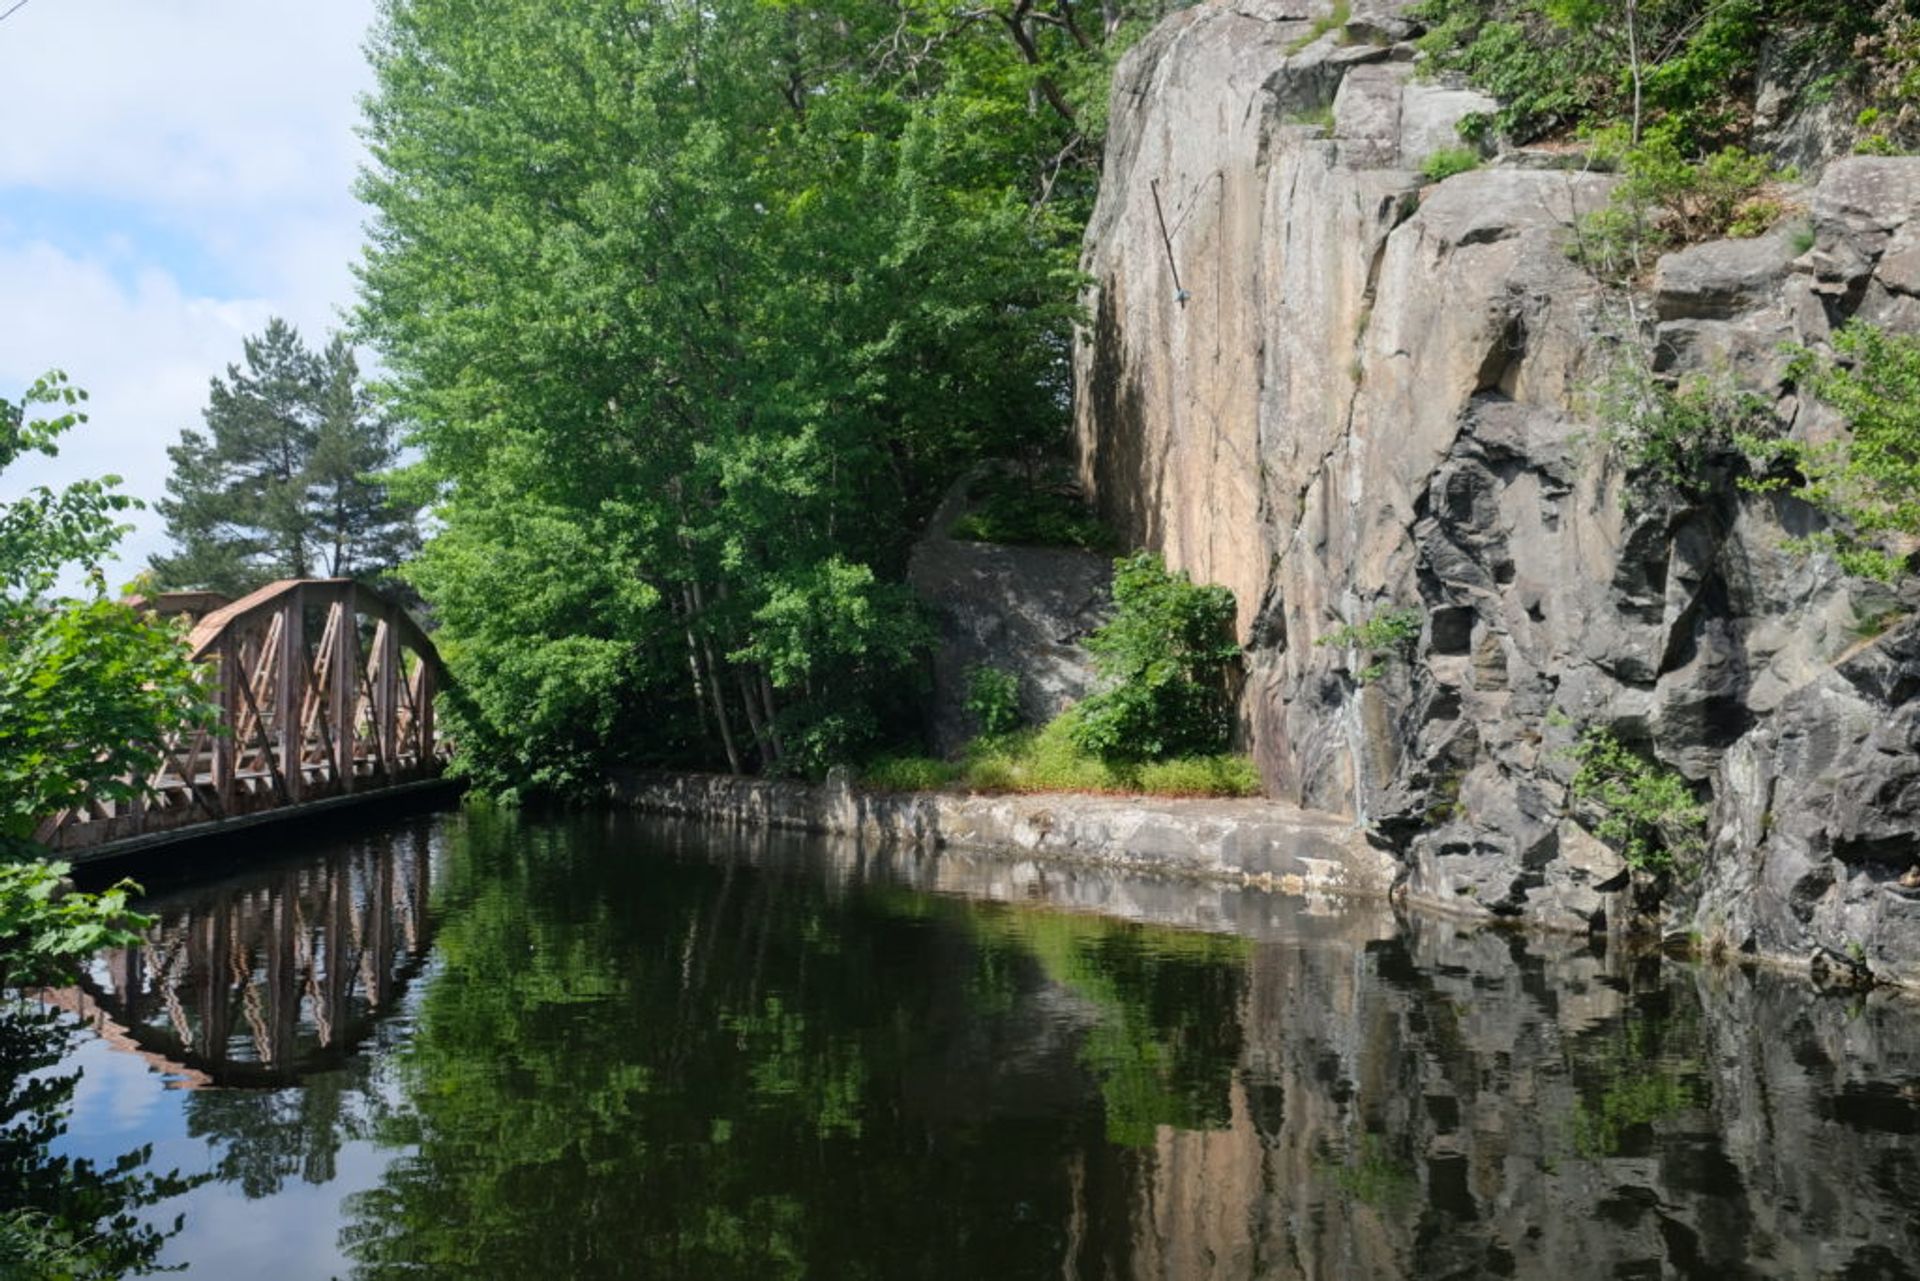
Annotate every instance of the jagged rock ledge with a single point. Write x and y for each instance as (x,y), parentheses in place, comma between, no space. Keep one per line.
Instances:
(1238,841)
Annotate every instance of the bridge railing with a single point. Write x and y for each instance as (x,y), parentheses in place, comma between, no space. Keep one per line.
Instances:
(323,688)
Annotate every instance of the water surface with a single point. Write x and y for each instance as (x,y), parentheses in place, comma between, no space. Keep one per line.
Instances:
(477,1045)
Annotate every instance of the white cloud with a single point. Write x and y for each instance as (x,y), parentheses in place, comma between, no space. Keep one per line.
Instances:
(191,105)
(165,137)
(144,353)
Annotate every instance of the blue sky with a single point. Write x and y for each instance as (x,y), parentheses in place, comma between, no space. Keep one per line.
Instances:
(172,173)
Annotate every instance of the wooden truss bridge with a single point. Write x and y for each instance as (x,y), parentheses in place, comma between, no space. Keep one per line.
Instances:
(324,690)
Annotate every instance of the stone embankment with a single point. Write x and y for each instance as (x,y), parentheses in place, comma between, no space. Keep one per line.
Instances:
(1236,841)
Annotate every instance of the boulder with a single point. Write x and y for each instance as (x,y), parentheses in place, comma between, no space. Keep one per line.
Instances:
(1023,610)
(1721,279)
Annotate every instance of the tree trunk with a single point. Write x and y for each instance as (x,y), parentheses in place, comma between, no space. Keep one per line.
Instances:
(699,653)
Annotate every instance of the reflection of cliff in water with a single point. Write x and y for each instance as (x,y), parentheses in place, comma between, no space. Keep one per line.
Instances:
(1410,1099)
(761,1055)
(1472,1105)
(271,976)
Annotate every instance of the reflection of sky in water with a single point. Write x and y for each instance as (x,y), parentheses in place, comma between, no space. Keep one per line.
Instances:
(120,1103)
(298,1228)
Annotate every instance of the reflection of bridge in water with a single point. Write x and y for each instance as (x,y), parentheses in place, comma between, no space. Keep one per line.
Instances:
(264,979)
(324,692)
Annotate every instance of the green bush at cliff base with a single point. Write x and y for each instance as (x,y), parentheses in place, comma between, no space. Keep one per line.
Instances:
(1046,760)
(1164,660)
(993,699)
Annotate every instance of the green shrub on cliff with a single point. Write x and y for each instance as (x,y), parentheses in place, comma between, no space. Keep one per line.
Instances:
(1668,434)
(1450,162)
(1867,482)
(1556,65)
(1385,636)
(1666,199)
(1645,811)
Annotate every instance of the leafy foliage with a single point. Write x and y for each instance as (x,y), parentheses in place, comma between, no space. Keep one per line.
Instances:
(1164,658)
(993,699)
(1669,435)
(1019,511)
(88,688)
(283,483)
(48,930)
(696,311)
(1385,636)
(1868,482)
(1646,812)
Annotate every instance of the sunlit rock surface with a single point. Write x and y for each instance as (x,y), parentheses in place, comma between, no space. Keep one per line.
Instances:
(1342,391)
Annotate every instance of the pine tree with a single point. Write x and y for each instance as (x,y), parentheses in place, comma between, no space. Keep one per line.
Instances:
(282,482)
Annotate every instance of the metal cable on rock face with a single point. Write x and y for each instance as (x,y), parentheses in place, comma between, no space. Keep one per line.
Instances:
(1180,294)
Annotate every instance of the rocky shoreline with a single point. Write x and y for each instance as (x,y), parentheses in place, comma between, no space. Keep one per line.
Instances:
(1261,843)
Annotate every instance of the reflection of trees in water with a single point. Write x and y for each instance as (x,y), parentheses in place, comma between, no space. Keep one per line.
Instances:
(267,1137)
(1166,1032)
(268,987)
(87,1211)
(647,1066)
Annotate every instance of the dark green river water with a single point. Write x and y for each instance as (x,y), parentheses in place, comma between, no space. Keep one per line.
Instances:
(476,1045)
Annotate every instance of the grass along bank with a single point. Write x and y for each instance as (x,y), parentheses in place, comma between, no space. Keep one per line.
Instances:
(1046,760)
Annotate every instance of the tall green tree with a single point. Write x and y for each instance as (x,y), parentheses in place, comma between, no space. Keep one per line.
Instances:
(285,480)
(695,311)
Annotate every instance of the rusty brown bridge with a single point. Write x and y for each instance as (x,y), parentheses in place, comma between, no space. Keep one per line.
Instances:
(324,690)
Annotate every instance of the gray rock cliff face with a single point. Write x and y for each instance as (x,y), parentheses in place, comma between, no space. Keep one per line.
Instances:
(1366,393)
